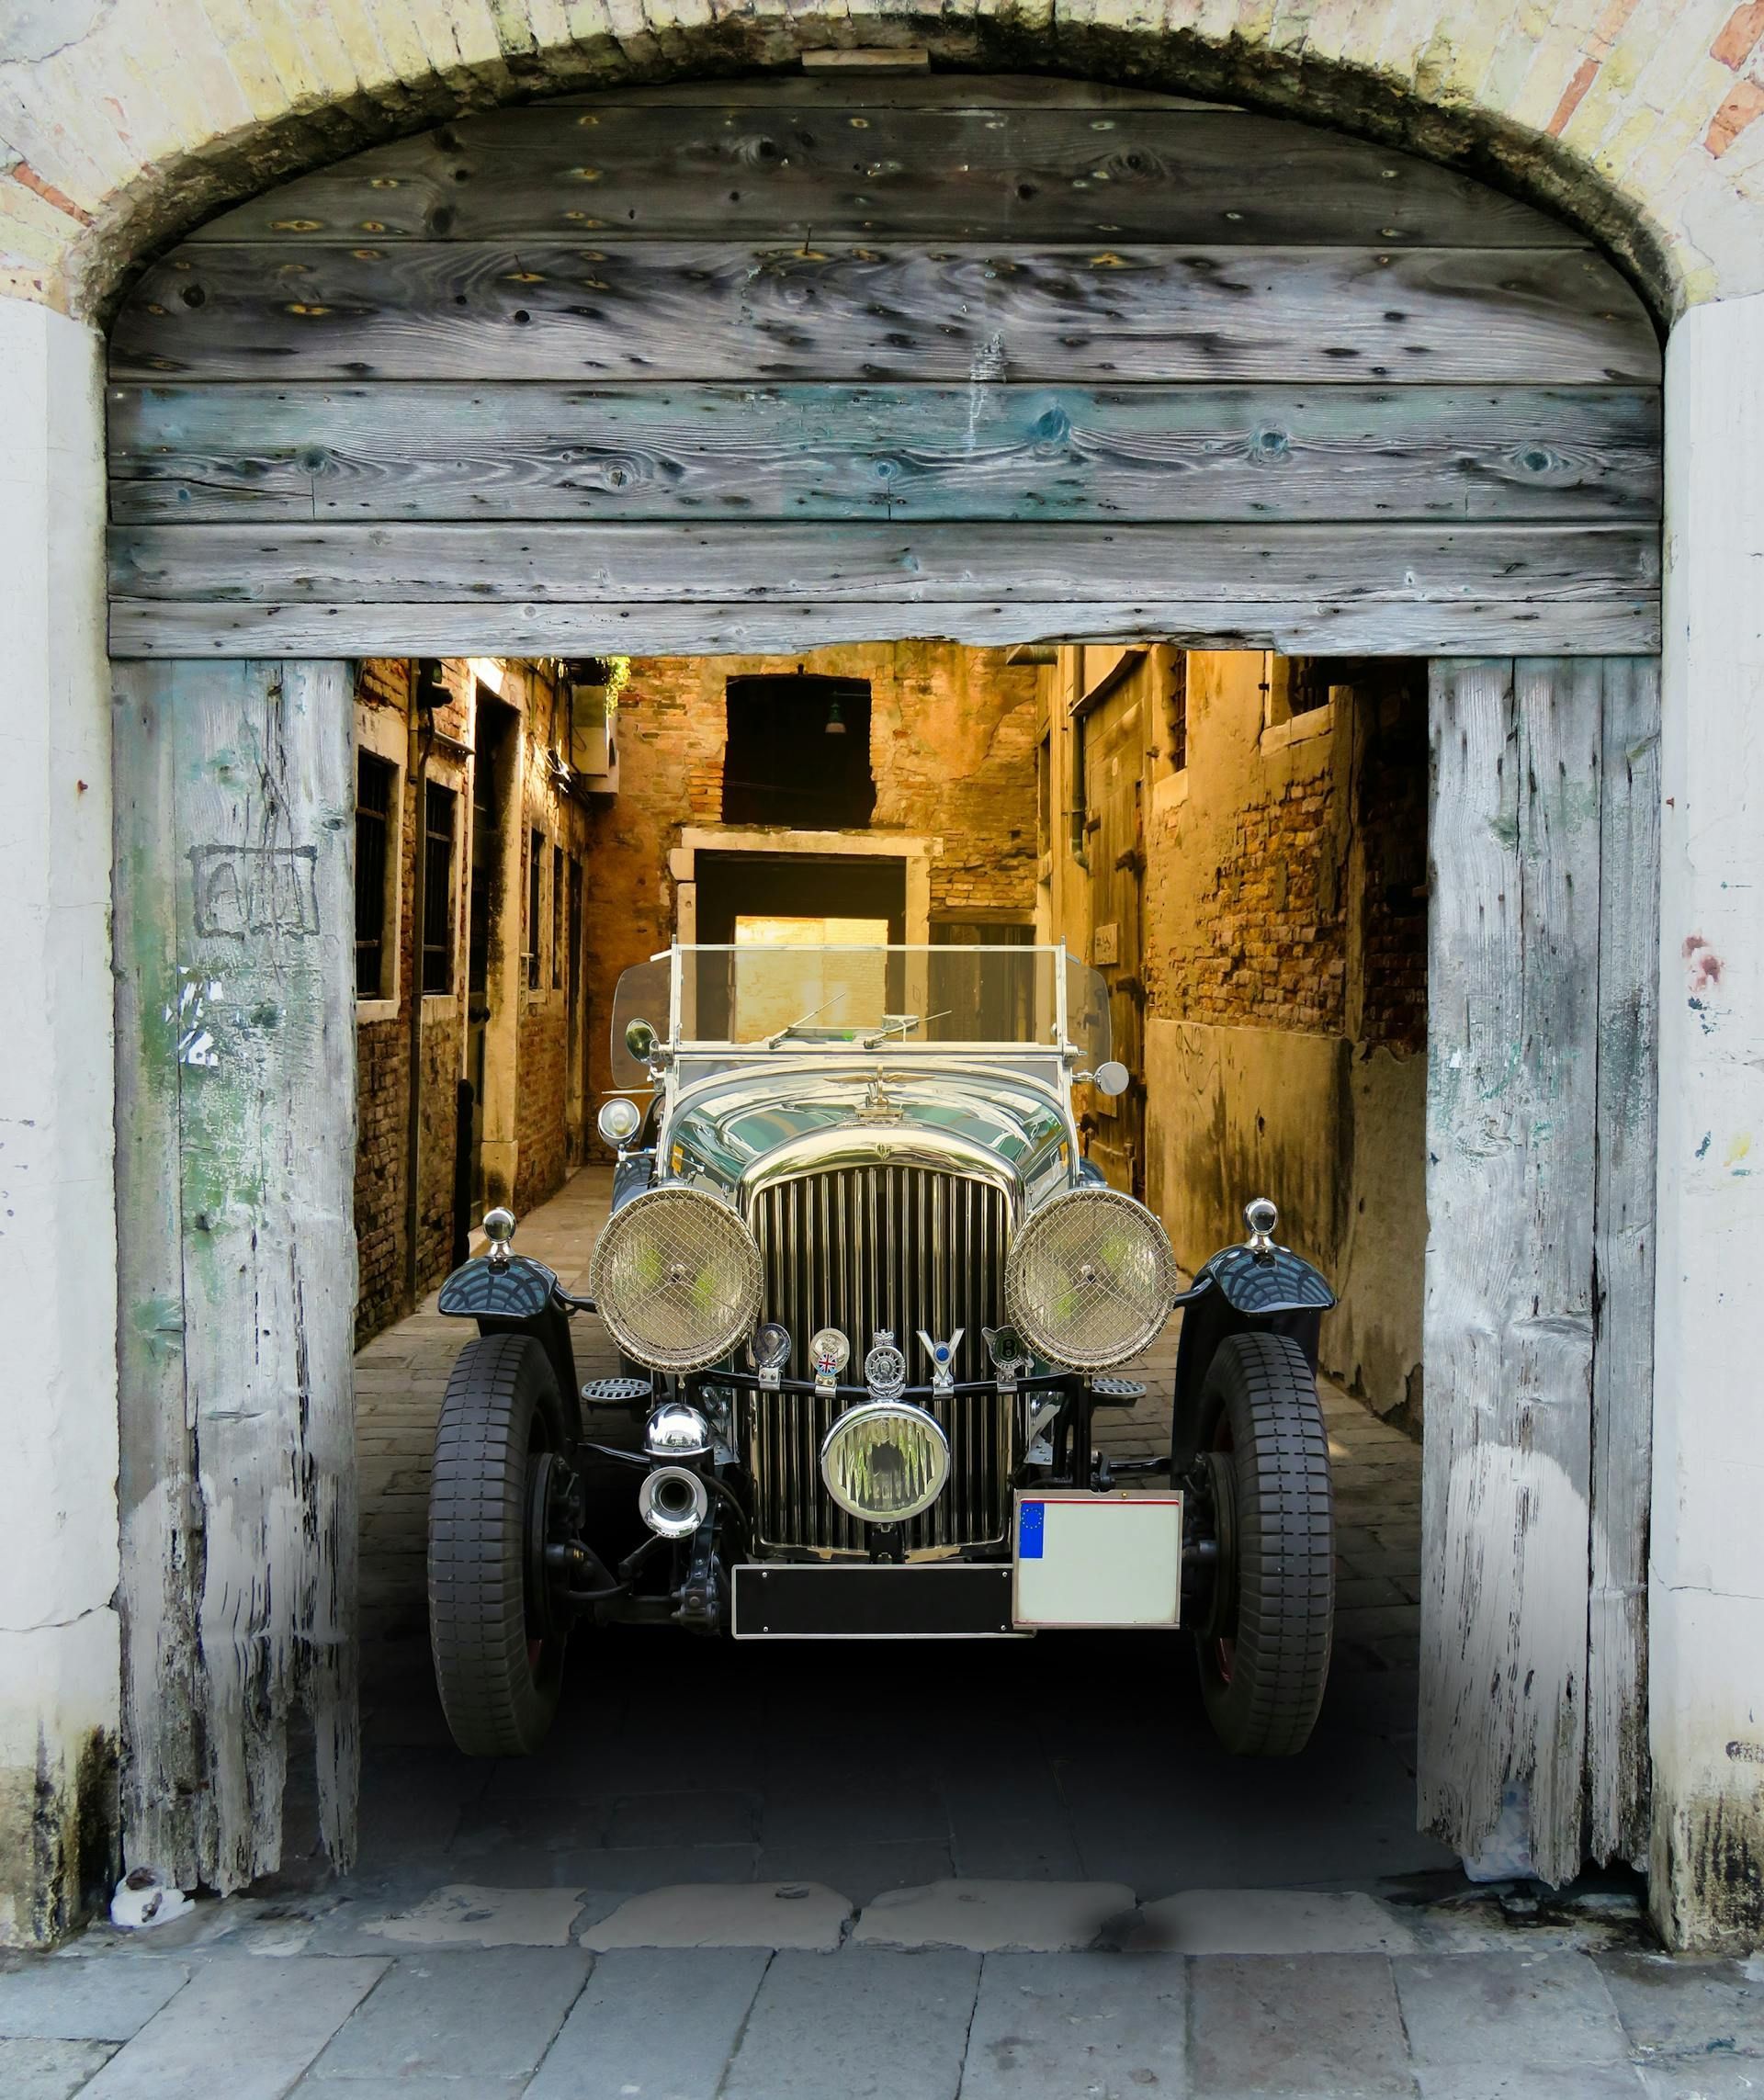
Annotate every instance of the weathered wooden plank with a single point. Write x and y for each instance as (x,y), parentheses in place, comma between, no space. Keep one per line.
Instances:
(1512,1103)
(441,451)
(159,1501)
(620,169)
(1591,626)
(1622,1363)
(722,309)
(496,564)
(248,860)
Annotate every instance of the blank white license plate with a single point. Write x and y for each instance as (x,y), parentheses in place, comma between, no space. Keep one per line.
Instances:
(1096,1560)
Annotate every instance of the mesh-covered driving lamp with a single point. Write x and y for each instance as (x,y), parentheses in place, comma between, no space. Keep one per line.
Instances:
(676,1278)
(1090,1279)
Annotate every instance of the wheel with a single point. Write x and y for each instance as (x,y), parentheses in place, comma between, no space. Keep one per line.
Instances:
(1264,1642)
(497,1638)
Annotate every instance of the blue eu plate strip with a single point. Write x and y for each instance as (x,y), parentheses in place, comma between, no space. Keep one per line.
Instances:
(1031,1519)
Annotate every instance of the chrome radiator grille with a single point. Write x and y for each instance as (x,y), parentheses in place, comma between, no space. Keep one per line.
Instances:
(859,1248)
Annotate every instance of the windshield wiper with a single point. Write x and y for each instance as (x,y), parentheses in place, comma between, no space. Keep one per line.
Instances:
(802,1021)
(902,1022)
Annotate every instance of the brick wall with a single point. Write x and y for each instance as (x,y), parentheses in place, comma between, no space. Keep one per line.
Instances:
(1265,943)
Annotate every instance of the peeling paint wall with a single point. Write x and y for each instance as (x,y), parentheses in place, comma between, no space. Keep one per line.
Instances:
(1706,1578)
(58,1420)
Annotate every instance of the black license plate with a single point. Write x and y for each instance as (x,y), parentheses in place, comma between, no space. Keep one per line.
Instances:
(788,1601)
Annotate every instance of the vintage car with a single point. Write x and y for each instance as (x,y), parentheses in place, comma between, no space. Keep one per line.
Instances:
(868,1295)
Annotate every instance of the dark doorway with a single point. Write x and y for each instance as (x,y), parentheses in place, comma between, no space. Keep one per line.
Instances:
(799,753)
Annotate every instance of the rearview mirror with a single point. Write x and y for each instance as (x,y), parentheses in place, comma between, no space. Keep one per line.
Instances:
(1112,1078)
(639,1040)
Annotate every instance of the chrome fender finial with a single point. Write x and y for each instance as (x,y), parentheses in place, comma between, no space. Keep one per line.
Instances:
(942,1359)
(1261,1217)
(499,1229)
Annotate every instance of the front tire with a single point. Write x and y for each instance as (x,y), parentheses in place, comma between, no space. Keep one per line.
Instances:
(1264,1648)
(498,1652)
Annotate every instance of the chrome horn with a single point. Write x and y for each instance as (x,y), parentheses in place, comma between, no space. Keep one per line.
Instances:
(672,1501)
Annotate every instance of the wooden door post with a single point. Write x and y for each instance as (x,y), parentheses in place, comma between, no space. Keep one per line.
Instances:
(236,1160)
(1539,1294)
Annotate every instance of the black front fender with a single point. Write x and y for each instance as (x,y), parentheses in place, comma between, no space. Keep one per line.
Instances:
(519,1296)
(1236,1292)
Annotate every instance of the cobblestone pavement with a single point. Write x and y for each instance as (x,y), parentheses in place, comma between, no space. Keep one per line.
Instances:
(904,1869)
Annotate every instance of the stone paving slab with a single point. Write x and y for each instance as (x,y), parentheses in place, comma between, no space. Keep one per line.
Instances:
(1673,2008)
(485,2017)
(1040,1917)
(1091,2027)
(65,1999)
(1524,2012)
(1715,2078)
(1264,2029)
(462,1914)
(49,2070)
(662,2025)
(1581,2082)
(242,2029)
(804,1915)
(1269,1921)
(869,2023)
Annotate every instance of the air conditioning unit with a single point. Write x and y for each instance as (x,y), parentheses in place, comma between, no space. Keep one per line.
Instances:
(593,738)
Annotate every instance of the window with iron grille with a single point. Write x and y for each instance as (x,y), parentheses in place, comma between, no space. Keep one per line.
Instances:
(1176,713)
(375,780)
(556,919)
(534,883)
(439,807)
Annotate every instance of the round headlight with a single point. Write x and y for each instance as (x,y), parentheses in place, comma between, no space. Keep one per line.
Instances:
(676,1279)
(885,1461)
(1088,1279)
(619,1120)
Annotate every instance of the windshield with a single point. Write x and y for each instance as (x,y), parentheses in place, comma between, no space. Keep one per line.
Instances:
(896,999)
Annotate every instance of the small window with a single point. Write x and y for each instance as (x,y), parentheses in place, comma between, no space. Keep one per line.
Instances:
(799,753)
(438,806)
(534,883)
(559,947)
(375,780)
(1176,713)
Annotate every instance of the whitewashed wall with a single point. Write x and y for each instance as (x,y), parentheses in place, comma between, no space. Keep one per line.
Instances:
(58,1394)
(1706,1595)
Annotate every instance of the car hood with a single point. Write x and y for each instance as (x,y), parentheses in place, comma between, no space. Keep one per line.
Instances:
(741,1128)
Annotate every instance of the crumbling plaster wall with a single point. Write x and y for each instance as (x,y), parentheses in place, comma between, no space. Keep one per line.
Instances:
(952,751)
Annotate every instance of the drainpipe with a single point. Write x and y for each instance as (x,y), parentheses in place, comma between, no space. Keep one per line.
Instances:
(416,767)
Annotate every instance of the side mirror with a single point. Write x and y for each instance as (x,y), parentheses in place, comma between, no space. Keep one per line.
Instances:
(1112,1078)
(639,1040)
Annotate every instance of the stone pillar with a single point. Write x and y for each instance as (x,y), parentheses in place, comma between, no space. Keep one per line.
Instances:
(58,1399)
(1706,1578)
